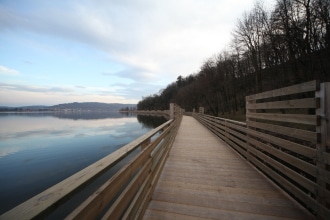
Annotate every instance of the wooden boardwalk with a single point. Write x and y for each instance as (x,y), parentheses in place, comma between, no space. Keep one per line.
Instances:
(205,179)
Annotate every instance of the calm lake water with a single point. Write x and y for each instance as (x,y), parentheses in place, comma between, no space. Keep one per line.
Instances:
(38,150)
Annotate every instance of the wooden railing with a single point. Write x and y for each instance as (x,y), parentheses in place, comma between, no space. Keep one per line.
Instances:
(287,137)
(164,113)
(125,195)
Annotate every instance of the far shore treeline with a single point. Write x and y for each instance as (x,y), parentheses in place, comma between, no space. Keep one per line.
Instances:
(74,107)
(272,48)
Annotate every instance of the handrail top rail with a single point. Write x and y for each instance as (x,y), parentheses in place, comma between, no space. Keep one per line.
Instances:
(46,199)
(295,89)
(226,119)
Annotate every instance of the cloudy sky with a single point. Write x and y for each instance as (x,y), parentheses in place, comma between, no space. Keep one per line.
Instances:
(108,51)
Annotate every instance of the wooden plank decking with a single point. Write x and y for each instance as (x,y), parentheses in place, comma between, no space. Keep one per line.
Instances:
(205,179)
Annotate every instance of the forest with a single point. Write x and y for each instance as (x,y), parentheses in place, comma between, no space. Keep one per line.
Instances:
(270,48)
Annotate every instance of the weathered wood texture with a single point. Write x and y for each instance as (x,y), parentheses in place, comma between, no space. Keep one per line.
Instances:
(289,146)
(205,179)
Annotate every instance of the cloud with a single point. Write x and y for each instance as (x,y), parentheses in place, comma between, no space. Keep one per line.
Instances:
(20,95)
(150,34)
(151,42)
(129,93)
(136,90)
(80,87)
(7,71)
(28,88)
(134,74)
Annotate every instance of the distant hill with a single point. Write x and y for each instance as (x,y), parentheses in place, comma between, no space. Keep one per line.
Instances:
(27,107)
(93,106)
(75,106)
(35,107)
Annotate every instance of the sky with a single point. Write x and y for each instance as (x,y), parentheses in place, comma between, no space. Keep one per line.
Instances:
(111,51)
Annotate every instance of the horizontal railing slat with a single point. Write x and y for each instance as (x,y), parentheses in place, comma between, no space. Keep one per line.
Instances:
(292,118)
(214,129)
(282,143)
(138,198)
(237,127)
(301,180)
(287,104)
(292,160)
(291,174)
(239,143)
(212,125)
(300,88)
(291,132)
(121,203)
(236,134)
(298,193)
(236,147)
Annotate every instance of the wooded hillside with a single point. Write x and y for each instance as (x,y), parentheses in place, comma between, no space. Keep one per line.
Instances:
(286,45)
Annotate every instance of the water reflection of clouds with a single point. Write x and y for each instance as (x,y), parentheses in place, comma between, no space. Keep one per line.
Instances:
(48,126)
(133,130)
(14,145)
(9,150)
(80,135)
(41,132)
(23,133)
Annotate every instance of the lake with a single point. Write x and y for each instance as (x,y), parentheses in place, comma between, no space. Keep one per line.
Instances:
(38,150)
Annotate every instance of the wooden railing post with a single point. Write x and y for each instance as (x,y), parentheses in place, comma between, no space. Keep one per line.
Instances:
(249,110)
(226,131)
(172,110)
(201,110)
(323,145)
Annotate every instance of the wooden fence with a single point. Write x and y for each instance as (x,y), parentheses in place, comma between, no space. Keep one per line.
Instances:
(287,137)
(164,113)
(125,195)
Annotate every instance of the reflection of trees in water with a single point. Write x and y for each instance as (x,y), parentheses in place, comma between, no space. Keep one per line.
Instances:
(149,121)
(128,114)
(74,115)
(91,115)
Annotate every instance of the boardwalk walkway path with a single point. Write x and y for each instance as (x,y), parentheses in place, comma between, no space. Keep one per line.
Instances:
(205,179)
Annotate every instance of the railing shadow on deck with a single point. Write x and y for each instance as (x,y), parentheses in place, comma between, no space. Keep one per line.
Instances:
(124,195)
(286,136)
